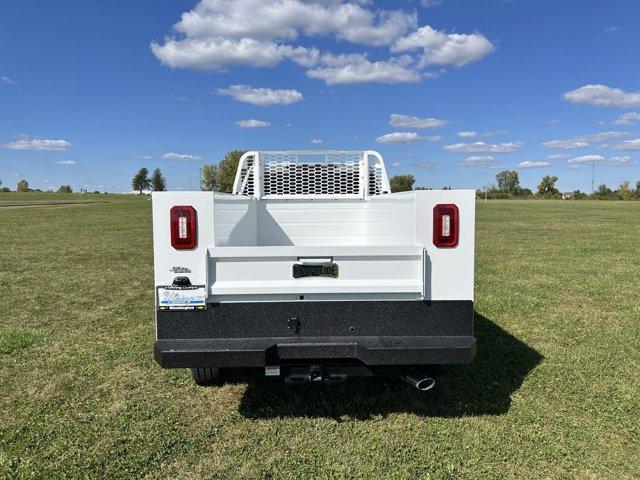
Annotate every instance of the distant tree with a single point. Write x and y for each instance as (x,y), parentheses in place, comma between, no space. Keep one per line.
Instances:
(525,193)
(446,187)
(508,182)
(5,189)
(637,190)
(603,192)
(23,186)
(65,189)
(402,183)
(141,180)
(547,187)
(209,178)
(423,188)
(227,170)
(158,182)
(624,191)
(578,195)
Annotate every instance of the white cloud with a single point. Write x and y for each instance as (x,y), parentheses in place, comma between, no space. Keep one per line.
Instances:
(252,123)
(356,68)
(558,156)
(431,3)
(37,144)
(565,144)
(553,121)
(468,134)
(407,121)
(316,141)
(627,145)
(476,160)
(180,156)
(628,118)
(8,80)
(261,96)
(603,96)
(65,162)
(439,48)
(622,161)
(217,34)
(601,136)
(399,137)
(480,147)
(220,33)
(585,159)
(531,164)
(396,164)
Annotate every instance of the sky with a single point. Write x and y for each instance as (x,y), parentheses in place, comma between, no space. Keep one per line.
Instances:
(451,91)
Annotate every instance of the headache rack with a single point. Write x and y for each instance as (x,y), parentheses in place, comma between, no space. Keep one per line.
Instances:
(311,173)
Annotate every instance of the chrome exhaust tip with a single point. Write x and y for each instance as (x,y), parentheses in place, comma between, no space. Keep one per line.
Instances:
(419,380)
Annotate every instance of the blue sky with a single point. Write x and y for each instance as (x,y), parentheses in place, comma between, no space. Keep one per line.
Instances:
(450,91)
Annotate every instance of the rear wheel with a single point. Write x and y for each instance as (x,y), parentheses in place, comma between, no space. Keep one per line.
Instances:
(206,377)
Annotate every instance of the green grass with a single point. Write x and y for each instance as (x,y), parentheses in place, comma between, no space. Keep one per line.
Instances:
(553,392)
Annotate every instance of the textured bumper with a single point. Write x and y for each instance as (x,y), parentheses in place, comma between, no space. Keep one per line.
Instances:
(258,352)
(371,333)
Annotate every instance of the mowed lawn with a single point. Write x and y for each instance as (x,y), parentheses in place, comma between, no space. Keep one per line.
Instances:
(553,393)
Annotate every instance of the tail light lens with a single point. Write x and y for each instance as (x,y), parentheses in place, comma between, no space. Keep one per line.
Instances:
(184,227)
(445,225)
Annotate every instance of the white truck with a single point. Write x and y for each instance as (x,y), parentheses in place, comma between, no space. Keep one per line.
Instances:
(312,270)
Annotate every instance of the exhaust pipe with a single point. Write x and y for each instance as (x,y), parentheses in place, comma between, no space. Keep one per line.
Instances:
(419,380)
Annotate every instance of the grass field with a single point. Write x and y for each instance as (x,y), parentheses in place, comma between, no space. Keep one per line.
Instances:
(553,393)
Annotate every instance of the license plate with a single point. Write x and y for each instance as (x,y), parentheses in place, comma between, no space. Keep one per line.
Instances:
(192,297)
(315,270)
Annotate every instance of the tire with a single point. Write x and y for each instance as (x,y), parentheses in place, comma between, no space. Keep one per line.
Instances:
(206,377)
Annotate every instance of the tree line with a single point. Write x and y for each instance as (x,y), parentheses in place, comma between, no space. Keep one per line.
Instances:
(220,177)
(508,186)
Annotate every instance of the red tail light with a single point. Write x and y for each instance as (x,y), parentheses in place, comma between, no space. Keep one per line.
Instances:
(445,225)
(184,227)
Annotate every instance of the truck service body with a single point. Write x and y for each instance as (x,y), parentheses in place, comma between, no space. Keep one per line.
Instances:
(311,270)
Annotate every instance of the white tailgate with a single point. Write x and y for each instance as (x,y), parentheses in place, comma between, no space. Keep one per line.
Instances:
(265,273)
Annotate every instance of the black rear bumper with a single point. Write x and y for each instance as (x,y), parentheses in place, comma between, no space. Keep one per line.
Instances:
(258,352)
(368,333)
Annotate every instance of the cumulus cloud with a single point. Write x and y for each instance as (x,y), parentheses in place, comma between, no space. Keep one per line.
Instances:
(37,144)
(396,164)
(585,159)
(628,118)
(480,147)
(565,144)
(316,141)
(440,48)
(431,3)
(468,134)
(217,34)
(399,137)
(601,136)
(476,160)
(558,156)
(356,68)
(407,121)
(180,156)
(627,145)
(531,164)
(603,96)
(252,123)
(65,162)
(261,96)
(622,161)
